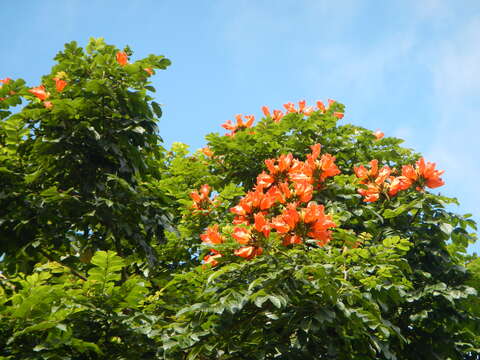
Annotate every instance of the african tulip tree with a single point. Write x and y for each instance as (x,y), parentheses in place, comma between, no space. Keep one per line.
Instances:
(297,236)
(323,241)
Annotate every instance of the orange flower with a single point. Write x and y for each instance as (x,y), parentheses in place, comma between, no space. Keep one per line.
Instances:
(322,237)
(277,115)
(240,209)
(248,252)
(261,224)
(287,220)
(60,84)
(371,194)
(321,106)
(311,221)
(328,167)
(207,151)
(304,109)
(315,151)
(378,134)
(383,175)
(308,110)
(316,170)
(277,193)
(252,200)
(303,191)
(48,104)
(283,164)
(363,174)
(319,222)
(264,180)
(280,224)
(285,190)
(424,174)
(331,102)
(205,191)
(397,184)
(301,173)
(290,107)
(291,239)
(39,92)
(201,199)
(122,58)
(240,124)
(267,201)
(409,172)
(250,120)
(229,126)
(242,235)
(428,172)
(301,105)
(212,259)
(266,111)
(313,212)
(376,181)
(212,236)
(338,115)
(149,71)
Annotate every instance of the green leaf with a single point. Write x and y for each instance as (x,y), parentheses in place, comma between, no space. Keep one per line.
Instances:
(275,301)
(446,228)
(107,268)
(157,109)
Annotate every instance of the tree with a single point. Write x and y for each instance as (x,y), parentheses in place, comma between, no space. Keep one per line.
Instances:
(294,238)
(76,161)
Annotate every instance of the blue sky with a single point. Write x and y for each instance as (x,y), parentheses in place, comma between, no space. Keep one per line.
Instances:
(407,67)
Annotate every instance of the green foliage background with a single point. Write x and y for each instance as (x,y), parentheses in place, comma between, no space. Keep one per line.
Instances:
(101,250)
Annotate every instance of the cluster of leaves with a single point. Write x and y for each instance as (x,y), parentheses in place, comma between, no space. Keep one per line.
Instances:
(103,232)
(55,315)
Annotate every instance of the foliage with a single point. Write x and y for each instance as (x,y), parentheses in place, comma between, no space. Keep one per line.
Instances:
(55,315)
(292,238)
(76,167)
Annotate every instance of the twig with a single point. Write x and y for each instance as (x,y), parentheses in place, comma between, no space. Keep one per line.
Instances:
(73,271)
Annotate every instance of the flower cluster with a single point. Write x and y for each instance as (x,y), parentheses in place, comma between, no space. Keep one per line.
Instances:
(302,109)
(423,174)
(5,81)
(240,125)
(381,181)
(201,200)
(281,202)
(42,94)
(122,60)
(277,115)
